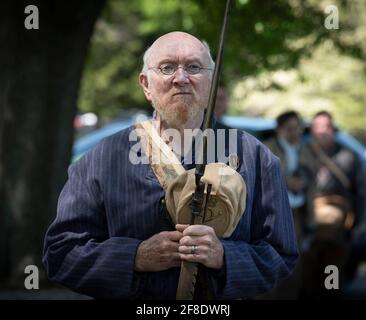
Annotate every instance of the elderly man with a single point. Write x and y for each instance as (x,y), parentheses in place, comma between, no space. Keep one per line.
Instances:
(111,239)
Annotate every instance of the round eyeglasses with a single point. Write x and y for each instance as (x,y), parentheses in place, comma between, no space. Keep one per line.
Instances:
(169,69)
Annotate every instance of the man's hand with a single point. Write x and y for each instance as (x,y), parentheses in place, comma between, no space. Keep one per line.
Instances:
(158,253)
(208,248)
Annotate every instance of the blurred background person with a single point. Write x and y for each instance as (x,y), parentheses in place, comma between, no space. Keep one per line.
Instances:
(297,166)
(338,204)
(221,107)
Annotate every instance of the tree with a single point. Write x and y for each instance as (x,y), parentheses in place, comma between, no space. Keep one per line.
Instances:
(332,77)
(39,81)
(262,35)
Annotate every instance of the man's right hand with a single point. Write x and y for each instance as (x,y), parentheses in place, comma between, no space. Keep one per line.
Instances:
(158,253)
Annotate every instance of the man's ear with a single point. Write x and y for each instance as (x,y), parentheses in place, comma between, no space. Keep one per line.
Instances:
(145,86)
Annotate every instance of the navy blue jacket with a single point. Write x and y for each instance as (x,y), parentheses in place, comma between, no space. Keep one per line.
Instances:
(108,206)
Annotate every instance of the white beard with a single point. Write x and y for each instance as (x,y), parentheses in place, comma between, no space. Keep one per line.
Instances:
(178,115)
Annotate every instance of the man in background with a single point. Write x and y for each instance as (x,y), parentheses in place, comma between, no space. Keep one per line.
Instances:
(296,163)
(338,205)
(221,107)
(297,167)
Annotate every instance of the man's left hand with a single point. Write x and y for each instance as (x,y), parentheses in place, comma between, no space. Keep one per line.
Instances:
(202,240)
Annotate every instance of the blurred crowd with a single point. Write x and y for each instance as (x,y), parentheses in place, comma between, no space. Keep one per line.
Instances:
(326,184)
(326,191)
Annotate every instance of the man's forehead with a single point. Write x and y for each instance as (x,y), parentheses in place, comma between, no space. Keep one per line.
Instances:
(178,46)
(322,119)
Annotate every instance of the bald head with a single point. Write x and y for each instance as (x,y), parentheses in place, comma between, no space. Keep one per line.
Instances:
(179,97)
(174,43)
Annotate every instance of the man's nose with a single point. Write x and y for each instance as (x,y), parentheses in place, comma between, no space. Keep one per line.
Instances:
(181,77)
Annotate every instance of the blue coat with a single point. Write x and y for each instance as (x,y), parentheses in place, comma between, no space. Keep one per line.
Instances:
(108,206)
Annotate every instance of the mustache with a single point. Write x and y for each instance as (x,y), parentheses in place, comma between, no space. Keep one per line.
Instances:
(182,92)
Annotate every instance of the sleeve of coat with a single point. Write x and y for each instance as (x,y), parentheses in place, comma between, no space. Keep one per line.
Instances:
(258,265)
(78,252)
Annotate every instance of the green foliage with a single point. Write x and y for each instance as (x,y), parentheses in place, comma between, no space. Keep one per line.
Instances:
(332,77)
(263,37)
(326,80)
(110,80)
